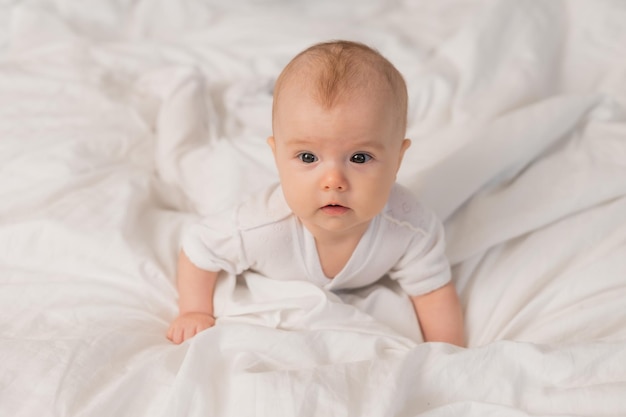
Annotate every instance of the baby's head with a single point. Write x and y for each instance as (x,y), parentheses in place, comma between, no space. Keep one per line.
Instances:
(337,71)
(338,121)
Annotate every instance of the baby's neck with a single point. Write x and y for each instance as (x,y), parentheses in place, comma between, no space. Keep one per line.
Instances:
(335,250)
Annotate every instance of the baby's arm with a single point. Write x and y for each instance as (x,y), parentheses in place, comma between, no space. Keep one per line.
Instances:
(440,316)
(195,288)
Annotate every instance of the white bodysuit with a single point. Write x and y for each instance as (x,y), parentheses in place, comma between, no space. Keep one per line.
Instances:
(404,242)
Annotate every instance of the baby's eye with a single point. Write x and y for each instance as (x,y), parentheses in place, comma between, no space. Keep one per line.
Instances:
(307,157)
(360,158)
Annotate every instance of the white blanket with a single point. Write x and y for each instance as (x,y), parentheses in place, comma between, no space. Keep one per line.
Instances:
(121,122)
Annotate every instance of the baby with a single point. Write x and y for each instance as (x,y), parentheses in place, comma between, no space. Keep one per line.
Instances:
(337,218)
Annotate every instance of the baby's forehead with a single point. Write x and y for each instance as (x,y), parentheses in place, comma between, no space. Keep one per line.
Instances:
(362,114)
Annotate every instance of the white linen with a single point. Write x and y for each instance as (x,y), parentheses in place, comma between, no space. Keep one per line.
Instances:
(122,122)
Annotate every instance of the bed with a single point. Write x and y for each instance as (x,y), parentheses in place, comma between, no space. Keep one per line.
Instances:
(122,122)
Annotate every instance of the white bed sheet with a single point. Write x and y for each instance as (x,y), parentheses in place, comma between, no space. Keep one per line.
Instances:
(121,122)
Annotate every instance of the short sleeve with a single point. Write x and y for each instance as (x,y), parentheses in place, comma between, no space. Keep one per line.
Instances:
(214,244)
(423,267)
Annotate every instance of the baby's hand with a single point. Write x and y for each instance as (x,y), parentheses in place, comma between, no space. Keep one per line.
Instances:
(188,325)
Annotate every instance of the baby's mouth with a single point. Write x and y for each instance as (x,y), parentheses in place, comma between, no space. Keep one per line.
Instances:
(334,209)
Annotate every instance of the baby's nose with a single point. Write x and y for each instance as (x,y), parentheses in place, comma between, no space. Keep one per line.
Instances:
(334,179)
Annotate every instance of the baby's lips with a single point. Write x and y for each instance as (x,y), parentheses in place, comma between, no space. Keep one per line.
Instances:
(334,209)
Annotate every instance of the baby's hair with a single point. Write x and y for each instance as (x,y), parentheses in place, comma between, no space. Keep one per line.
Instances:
(336,69)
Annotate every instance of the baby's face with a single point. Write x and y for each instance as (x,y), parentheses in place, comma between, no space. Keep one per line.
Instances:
(337,166)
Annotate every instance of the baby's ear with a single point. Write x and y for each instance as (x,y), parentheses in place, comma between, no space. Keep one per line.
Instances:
(272,142)
(405,145)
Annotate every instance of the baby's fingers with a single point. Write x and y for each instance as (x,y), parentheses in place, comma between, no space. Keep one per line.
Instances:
(189,332)
(187,326)
(176,333)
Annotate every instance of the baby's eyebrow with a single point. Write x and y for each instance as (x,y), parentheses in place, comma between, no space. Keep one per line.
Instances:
(300,142)
(356,144)
(370,145)
(375,145)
